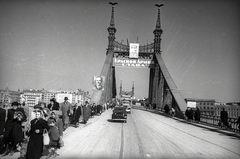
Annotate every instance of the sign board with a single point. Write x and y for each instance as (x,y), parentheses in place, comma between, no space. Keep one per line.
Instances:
(191,104)
(136,63)
(133,50)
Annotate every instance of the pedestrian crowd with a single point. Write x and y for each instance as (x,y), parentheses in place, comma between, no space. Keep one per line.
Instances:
(195,115)
(192,115)
(26,129)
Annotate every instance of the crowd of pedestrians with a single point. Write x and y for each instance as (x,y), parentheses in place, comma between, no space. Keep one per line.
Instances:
(23,128)
(195,115)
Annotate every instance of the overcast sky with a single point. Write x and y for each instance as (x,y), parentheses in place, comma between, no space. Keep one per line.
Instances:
(55,44)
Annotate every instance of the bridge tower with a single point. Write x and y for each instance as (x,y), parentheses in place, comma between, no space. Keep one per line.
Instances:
(162,89)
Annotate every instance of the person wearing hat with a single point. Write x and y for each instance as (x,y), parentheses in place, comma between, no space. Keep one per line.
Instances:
(65,107)
(54,105)
(13,134)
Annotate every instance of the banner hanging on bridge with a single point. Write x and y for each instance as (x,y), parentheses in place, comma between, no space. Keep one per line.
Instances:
(133,50)
(98,83)
(136,63)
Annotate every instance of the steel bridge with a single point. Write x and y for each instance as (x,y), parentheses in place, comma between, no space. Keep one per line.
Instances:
(162,89)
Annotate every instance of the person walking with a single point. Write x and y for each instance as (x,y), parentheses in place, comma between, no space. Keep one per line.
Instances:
(54,138)
(197,115)
(86,112)
(65,107)
(76,115)
(35,144)
(187,114)
(224,117)
(13,134)
(166,109)
(190,114)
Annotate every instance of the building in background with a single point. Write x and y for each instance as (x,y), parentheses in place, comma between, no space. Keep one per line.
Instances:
(206,106)
(211,107)
(32,97)
(7,97)
(47,95)
(233,109)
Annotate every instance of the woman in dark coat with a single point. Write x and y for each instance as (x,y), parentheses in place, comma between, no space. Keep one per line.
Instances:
(13,133)
(35,144)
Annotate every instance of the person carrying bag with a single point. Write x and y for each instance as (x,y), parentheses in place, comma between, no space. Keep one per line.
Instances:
(36,144)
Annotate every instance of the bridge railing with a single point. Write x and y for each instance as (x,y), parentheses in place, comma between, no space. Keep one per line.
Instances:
(215,121)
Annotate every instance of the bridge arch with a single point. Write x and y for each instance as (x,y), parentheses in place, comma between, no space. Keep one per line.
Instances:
(162,89)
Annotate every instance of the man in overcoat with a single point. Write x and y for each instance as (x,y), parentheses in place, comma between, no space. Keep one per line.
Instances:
(224,117)
(86,112)
(65,107)
(197,115)
(76,114)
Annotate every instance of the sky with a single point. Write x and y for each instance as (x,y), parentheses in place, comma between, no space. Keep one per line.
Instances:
(61,44)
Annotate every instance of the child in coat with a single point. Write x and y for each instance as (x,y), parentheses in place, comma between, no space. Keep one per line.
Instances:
(54,137)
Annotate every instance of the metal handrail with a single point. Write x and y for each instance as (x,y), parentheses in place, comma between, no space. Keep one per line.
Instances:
(216,122)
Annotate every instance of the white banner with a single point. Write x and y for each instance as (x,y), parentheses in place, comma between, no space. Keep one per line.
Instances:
(191,104)
(134,50)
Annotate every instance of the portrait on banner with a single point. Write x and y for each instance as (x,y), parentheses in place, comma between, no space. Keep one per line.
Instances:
(98,83)
(134,50)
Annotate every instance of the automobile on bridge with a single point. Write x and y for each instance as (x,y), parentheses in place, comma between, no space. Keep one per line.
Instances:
(119,113)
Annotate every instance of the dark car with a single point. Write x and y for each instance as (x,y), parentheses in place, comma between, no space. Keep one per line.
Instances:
(119,113)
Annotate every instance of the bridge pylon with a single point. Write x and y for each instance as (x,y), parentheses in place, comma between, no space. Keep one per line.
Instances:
(162,89)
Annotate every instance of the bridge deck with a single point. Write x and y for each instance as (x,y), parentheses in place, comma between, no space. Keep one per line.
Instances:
(101,127)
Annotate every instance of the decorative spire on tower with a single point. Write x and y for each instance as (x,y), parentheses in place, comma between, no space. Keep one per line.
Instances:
(157,32)
(112,24)
(111,29)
